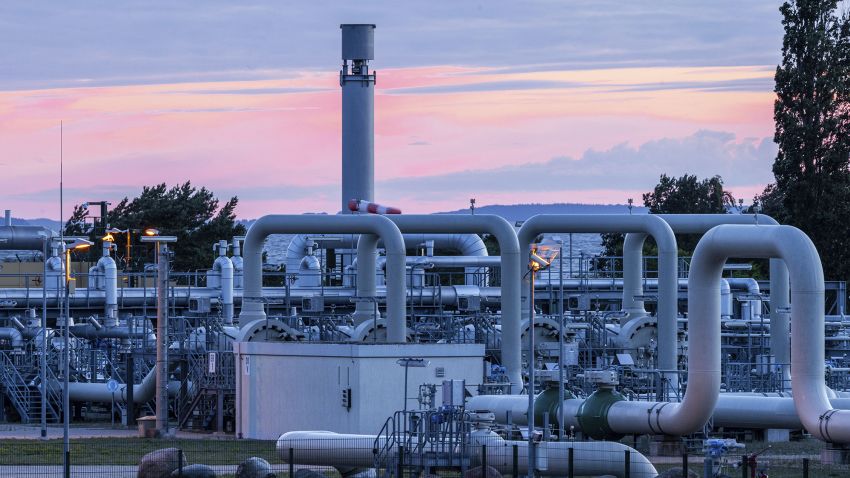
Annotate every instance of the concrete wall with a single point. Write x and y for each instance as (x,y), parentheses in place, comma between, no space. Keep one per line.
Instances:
(282,387)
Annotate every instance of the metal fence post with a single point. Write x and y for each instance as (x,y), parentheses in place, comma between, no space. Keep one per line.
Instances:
(515,468)
(484,460)
(805,468)
(570,472)
(400,465)
(179,463)
(291,462)
(685,465)
(744,463)
(627,472)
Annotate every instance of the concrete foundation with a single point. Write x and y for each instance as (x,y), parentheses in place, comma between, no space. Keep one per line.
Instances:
(282,387)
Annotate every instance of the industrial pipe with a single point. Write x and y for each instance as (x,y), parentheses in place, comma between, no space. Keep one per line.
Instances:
(97,392)
(807,313)
(779,299)
(24,238)
(510,265)
(252,303)
(348,452)
(223,266)
(667,265)
(13,336)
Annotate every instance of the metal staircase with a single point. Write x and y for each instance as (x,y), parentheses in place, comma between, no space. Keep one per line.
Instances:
(20,382)
(412,442)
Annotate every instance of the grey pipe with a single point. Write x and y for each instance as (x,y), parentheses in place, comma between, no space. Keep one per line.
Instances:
(223,266)
(13,335)
(464,244)
(667,265)
(23,238)
(97,392)
(510,265)
(779,298)
(807,314)
(252,304)
(632,276)
(367,252)
(91,331)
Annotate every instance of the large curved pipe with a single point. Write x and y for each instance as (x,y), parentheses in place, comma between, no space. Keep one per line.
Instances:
(700,224)
(510,265)
(13,336)
(807,313)
(667,265)
(252,301)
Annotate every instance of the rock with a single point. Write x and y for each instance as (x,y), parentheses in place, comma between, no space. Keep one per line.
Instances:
(194,471)
(676,472)
(305,473)
(255,467)
(160,463)
(478,472)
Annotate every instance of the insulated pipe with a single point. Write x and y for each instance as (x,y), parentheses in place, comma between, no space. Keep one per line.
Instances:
(224,267)
(91,332)
(667,265)
(510,265)
(97,392)
(252,301)
(23,238)
(807,313)
(464,244)
(348,452)
(779,298)
(107,265)
(13,335)
(703,388)
(632,276)
(367,252)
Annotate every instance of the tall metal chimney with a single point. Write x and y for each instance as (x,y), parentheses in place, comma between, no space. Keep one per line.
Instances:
(358,113)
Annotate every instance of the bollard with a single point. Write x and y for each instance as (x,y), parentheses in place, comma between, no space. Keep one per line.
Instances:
(179,463)
(291,462)
(805,468)
(515,468)
(627,473)
(685,465)
(484,460)
(744,463)
(570,472)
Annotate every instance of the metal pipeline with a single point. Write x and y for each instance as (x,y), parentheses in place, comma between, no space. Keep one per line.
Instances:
(348,452)
(510,261)
(699,224)
(24,238)
(667,265)
(97,392)
(13,336)
(807,315)
(252,304)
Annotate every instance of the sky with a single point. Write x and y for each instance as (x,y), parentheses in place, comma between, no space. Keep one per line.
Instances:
(504,101)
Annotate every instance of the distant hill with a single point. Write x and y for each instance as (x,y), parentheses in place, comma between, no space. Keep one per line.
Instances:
(521,212)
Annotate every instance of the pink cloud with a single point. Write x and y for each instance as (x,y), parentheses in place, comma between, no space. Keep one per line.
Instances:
(234,136)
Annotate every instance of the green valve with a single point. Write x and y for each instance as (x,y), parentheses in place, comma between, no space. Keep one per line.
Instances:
(547,401)
(593,414)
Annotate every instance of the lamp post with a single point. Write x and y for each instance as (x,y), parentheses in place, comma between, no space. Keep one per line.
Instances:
(408,362)
(42,362)
(77,244)
(161,243)
(540,256)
